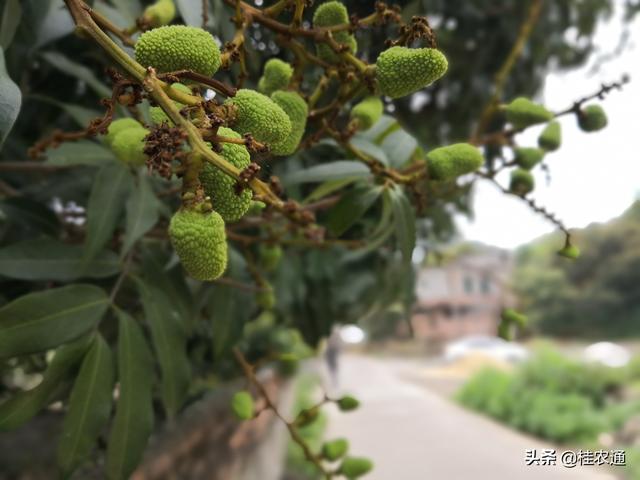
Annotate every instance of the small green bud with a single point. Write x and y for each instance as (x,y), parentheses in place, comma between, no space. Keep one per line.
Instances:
(522,182)
(527,157)
(551,137)
(511,316)
(276,76)
(347,403)
(402,71)
(570,252)
(307,417)
(523,113)
(178,47)
(592,118)
(367,112)
(118,126)
(242,405)
(335,449)
(160,13)
(354,467)
(128,146)
(270,256)
(448,163)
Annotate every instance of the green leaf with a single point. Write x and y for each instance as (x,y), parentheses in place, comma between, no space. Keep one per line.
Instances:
(81,115)
(89,407)
(170,342)
(404,221)
(399,147)
(11,16)
(337,170)
(10,101)
(133,422)
(381,129)
(24,405)
(79,153)
(110,189)
(130,9)
(69,67)
(43,320)
(370,149)
(351,207)
(48,259)
(328,188)
(30,215)
(143,211)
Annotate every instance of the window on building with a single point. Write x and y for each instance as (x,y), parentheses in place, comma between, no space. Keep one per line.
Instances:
(468,284)
(485,285)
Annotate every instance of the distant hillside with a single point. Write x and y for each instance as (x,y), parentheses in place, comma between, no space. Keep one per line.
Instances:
(598,295)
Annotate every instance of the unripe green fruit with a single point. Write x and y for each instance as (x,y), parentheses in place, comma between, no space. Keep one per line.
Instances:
(266,298)
(448,163)
(128,146)
(200,241)
(511,316)
(270,256)
(256,207)
(160,13)
(157,114)
(527,157)
(367,112)
(178,47)
(522,182)
(242,405)
(276,76)
(330,14)
(220,187)
(307,417)
(401,71)
(551,137)
(347,403)
(297,110)
(522,113)
(260,116)
(592,118)
(570,252)
(118,126)
(335,449)
(354,467)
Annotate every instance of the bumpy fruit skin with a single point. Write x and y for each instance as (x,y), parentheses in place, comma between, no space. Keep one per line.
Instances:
(242,405)
(592,118)
(401,71)
(335,449)
(178,47)
(570,252)
(329,14)
(157,114)
(354,467)
(522,182)
(297,110)
(260,116)
(200,241)
(448,163)
(128,146)
(367,112)
(348,403)
(522,113)
(220,187)
(551,137)
(528,158)
(120,125)
(160,13)
(511,316)
(276,76)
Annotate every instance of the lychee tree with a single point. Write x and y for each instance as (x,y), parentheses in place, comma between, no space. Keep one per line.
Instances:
(217,215)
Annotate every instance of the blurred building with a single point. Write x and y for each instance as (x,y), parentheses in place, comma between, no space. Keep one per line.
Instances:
(462,296)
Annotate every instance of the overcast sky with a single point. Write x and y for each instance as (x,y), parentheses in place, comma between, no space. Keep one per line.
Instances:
(595,176)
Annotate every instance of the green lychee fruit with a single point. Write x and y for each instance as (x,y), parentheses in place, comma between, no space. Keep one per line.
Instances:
(402,71)
(592,118)
(297,110)
(448,163)
(522,182)
(276,76)
(242,405)
(551,137)
(367,112)
(128,146)
(522,113)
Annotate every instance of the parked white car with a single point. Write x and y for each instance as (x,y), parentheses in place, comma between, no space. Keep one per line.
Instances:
(494,347)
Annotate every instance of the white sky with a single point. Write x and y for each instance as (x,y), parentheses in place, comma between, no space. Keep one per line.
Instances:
(594,177)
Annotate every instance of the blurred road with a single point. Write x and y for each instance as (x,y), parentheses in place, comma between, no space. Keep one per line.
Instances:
(412,433)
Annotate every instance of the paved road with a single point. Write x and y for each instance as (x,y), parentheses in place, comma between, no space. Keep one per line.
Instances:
(414,434)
